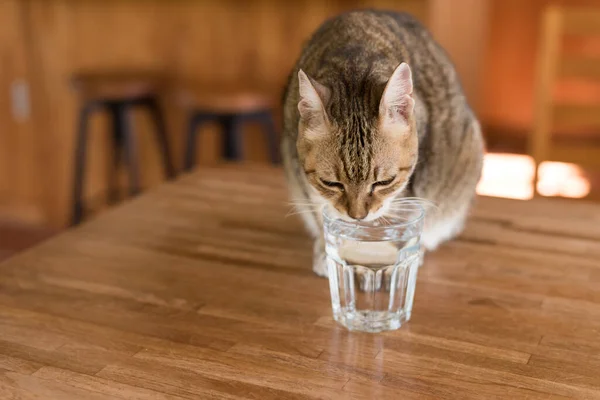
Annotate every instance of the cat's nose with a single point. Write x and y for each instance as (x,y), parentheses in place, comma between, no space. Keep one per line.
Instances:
(358,215)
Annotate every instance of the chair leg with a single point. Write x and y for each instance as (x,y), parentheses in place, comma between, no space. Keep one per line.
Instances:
(232,138)
(266,119)
(161,136)
(79,173)
(130,148)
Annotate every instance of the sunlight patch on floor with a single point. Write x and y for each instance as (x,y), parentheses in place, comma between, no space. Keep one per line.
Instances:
(511,176)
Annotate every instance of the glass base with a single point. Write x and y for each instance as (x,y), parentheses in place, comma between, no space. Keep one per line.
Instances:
(370,321)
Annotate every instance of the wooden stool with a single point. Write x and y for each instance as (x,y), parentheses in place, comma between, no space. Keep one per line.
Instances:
(117,94)
(231,111)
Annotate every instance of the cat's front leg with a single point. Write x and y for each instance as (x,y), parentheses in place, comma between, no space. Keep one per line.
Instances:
(319,259)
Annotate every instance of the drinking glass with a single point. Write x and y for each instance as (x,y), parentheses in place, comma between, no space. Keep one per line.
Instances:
(373,267)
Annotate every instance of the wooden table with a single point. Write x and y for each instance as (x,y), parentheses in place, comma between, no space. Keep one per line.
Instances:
(203,289)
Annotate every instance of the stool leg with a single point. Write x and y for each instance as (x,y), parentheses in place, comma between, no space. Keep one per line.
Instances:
(80,152)
(266,119)
(232,138)
(190,142)
(116,156)
(161,136)
(130,148)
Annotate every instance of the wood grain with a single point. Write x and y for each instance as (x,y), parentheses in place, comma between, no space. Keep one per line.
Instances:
(203,289)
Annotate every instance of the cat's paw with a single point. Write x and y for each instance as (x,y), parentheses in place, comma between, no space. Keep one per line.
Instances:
(319,260)
(320,265)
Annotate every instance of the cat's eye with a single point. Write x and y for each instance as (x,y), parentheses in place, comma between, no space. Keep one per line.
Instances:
(384,183)
(336,185)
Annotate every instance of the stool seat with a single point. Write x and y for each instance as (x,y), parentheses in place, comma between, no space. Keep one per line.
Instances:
(224,102)
(231,110)
(116,85)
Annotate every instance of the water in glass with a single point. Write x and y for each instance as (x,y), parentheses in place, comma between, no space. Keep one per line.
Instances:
(373,269)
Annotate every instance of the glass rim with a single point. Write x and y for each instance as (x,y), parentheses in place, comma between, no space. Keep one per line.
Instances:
(329,219)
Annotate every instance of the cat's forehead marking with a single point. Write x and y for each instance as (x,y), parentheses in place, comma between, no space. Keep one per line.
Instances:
(356,148)
(353,108)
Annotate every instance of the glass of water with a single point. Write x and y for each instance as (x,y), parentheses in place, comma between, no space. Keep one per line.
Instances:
(372,268)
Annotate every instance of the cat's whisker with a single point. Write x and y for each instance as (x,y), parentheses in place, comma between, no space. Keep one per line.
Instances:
(304,204)
(407,206)
(385,220)
(298,208)
(413,198)
(415,201)
(294,210)
(299,212)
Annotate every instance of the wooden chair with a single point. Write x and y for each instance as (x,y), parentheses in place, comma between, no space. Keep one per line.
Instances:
(231,110)
(555,65)
(117,93)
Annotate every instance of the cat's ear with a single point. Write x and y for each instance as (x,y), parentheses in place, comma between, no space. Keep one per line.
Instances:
(313,97)
(397,105)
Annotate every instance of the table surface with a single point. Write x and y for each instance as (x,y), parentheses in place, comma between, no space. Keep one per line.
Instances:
(203,289)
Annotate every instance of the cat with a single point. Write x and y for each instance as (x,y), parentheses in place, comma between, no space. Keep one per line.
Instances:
(374,112)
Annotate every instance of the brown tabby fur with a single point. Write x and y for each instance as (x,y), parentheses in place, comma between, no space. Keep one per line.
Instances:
(436,156)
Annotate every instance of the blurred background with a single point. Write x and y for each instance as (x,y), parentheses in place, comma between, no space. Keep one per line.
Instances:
(103,99)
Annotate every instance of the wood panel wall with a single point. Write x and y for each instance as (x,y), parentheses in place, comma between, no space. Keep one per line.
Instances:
(462,28)
(20,193)
(509,68)
(233,43)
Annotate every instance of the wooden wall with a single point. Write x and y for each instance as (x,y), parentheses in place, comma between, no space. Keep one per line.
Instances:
(508,81)
(233,43)
(20,192)
(462,28)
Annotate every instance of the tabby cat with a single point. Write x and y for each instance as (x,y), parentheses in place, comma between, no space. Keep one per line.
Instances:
(373,113)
